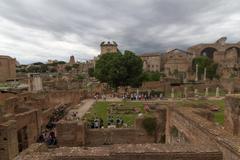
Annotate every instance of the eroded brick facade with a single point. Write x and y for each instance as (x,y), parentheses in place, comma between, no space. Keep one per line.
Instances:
(7,68)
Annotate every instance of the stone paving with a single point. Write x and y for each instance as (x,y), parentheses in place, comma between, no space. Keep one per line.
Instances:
(82,108)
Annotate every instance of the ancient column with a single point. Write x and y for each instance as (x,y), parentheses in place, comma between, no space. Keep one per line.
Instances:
(172,93)
(217,92)
(206,92)
(195,92)
(196,78)
(29,82)
(205,74)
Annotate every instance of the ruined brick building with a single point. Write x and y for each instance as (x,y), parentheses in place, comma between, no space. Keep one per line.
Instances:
(108,47)
(72,60)
(227,55)
(23,116)
(182,133)
(151,62)
(7,68)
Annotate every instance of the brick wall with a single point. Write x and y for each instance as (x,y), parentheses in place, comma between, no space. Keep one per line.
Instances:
(8,140)
(75,134)
(126,152)
(198,130)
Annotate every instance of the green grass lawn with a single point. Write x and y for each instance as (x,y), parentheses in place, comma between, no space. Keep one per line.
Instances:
(218,116)
(100,110)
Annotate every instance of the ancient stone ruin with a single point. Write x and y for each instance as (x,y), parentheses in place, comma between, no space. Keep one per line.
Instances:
(181,133)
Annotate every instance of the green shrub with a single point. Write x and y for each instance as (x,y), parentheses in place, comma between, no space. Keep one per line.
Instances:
(150,125)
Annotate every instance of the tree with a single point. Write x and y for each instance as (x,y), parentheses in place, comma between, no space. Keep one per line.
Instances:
(134,67)
(80,77)
(43,68)
(75,65)
(61,62)
(152,76)
(205,62)
(119,69)
(37,63)
(33,69)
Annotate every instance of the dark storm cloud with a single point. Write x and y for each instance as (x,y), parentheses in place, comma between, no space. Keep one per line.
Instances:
(58,28)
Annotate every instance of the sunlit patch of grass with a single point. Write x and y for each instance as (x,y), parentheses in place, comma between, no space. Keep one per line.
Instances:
(100,110)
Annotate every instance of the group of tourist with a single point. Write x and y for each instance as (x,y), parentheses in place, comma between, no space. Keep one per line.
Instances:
(98,96)
(74,116)
(118,121)
(135,96)
(48,135)
(56,116)
(96,123)
(99,123)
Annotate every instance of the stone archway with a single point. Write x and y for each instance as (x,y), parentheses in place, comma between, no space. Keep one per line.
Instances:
(209,52)
(232,55)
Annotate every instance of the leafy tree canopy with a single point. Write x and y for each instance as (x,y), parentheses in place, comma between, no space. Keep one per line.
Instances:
(205,62)
(152,76)
(119,69)
(38,63)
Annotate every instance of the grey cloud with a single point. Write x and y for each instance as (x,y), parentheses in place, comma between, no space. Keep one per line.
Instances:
(138,25)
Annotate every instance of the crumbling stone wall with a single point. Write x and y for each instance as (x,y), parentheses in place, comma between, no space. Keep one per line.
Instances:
(76,134)
(177,61)
(65,97)
(31,112)
(124,152)
(151,62)
(108,47)
(232,115)
(7,68)
(31,121)
(8,140)
(99,137)
(198,130)
(70,133)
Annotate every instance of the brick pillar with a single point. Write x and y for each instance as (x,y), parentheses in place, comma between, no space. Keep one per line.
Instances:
(161,125)
(8,140)
(168,125)
(232,115)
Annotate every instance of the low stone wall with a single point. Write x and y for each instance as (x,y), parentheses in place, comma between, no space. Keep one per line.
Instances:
(66,97)
(76,134)
(162,86)
(198,130)
(127,152)
(99,137)
(70,133)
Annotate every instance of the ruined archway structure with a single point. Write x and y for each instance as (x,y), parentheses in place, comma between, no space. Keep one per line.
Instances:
(216,51)
(227,55)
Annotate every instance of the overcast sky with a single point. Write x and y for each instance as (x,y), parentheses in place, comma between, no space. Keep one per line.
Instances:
(38,30)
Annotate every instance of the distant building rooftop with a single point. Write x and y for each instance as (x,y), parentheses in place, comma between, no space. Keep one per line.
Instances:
(150,54)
